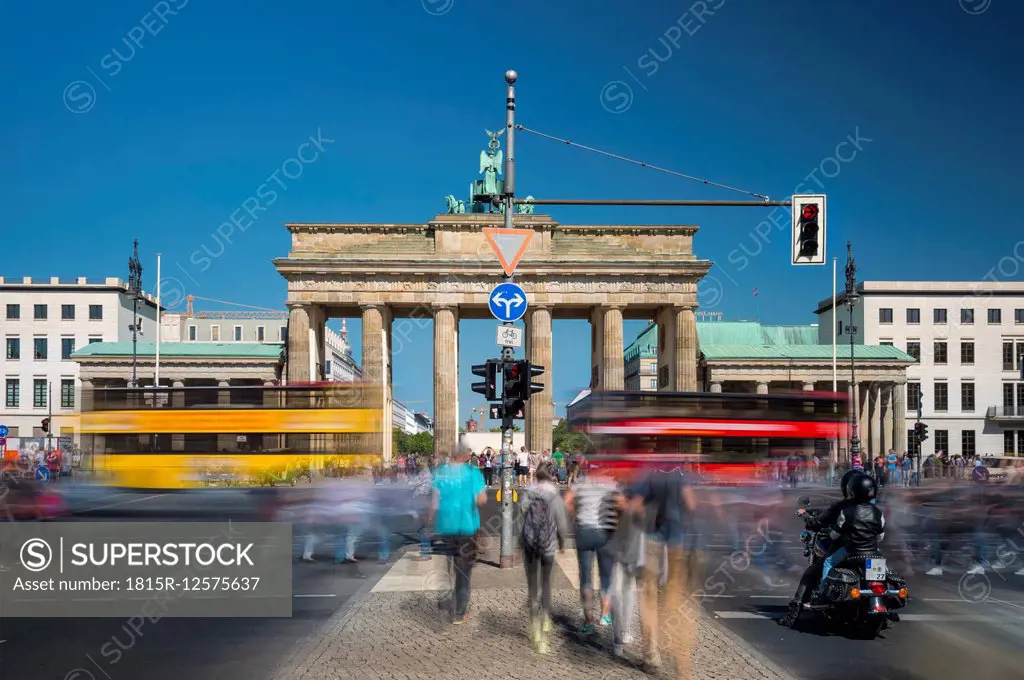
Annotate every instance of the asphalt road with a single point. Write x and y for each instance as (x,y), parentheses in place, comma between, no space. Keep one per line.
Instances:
(956,626)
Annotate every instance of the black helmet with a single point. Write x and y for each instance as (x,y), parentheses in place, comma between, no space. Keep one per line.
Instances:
(863,489)
(844,484)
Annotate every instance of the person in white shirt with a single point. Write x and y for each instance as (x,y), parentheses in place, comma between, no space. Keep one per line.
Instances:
(523,466)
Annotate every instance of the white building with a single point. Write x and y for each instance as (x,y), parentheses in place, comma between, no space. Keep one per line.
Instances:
(44,321)
(968,338)
(341,367)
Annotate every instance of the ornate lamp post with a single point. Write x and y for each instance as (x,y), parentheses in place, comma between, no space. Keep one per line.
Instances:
(135,288)
(851,303)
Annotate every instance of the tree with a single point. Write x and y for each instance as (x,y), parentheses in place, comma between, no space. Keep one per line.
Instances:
(420,444)
(515,428)
(564,439)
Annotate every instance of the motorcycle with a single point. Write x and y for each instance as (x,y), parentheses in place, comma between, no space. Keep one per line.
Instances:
(860,594)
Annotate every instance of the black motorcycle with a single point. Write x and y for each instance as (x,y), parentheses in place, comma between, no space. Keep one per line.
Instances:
(861,594)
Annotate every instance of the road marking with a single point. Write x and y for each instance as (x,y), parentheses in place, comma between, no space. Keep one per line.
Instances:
(741,615)
(314,595)
(114,505)
(701,597)
(903,617)
(773,597)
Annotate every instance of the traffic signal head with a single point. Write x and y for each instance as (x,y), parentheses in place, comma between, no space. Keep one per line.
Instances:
(924,432)
(519,384)
(535,371)
(46,425)
(809,229)
(489,386)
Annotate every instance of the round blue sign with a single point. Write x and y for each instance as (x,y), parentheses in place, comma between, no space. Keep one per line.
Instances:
(507,302)
(4,431)
(43,474)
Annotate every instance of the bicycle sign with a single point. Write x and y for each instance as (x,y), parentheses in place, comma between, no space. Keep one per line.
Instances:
(510,336)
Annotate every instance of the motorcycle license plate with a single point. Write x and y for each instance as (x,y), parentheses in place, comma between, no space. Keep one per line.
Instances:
(875,570)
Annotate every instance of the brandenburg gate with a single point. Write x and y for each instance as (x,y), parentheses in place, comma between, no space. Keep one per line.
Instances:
(393,276)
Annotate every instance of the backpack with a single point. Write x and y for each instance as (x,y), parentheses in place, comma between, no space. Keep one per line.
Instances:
(539,530)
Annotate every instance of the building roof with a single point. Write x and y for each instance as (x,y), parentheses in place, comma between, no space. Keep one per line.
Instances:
(225,350)
(80,283)
(753,333)
(804,352)
(645,346)
(960,289)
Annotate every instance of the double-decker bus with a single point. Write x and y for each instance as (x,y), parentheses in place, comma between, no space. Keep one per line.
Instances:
(178,438)
(723,434)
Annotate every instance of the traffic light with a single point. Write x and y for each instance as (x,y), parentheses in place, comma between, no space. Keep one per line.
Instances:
(519,384)
(516,411)
(46,426)
(809,229)
(489,372)
(920,432)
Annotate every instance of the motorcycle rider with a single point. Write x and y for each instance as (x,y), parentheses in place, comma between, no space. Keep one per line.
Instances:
(818,522)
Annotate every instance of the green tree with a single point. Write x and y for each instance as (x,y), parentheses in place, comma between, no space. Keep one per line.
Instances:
(515,428)
(420,444)
(563,439)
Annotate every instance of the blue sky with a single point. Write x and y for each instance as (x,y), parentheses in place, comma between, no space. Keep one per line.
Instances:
(120,124)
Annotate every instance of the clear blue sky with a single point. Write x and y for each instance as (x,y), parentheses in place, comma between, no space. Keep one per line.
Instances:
(186,122)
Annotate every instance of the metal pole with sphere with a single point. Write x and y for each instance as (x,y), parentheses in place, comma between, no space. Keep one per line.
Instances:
(135,289)
(851,303)
(507,353)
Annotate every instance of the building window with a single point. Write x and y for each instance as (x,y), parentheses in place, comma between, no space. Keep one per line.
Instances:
(215,333)
(1020,442)
(13,393)
(1018,316)
(966,316)
(1008,358)
(95,339)
(238,333)
(995,316)
(939,316)
(39,392)
(913,315)
(1008,442)
(913,396)
(885,315)
(967,443)
(966,396)
(261,333)
(67,312)
(839,332)
(39,312)
(941,441)
(886,343)
(941,353)
(284,333)
(13,348)
(193,333)
(95,312)
(13,311)
(914,349)
(40,348)
(67,348)
(1008,397)
(67,393)
(941,397)
(967,352)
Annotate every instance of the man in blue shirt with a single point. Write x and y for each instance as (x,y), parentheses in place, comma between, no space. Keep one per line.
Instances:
(666,501)
(459,491)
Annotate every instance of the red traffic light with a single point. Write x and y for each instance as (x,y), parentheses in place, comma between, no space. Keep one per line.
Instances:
(809,212)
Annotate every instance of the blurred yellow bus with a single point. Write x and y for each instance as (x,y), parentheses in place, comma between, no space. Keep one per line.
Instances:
(191,437)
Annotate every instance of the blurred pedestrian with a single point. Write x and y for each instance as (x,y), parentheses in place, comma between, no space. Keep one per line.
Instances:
(593,502)
(545,529)
(459,492)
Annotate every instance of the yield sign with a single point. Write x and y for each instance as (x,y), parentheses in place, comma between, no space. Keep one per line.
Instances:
(509,245)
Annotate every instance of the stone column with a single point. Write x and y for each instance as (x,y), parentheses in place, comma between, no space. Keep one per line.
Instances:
(899,416)
(446,380)
(875,400)
(762,445)
(677,349)
(377,373)
(716,443)
(863,417)
(178,402)
(540,410)
(298,344)
(271,401)
(887,420)
(226,441)
(809,387)
(612,360)
(597,349)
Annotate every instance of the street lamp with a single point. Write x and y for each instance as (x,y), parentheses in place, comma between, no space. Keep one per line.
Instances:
(851,303)
(135,288)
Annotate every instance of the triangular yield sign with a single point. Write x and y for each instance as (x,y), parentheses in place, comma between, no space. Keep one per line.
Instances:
(509,245)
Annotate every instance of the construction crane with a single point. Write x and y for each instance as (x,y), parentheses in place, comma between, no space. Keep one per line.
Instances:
(255,313)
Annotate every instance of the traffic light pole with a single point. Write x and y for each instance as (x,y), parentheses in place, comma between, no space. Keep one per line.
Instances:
(507,560)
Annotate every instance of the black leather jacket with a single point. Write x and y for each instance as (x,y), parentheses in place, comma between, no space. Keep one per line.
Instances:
(827,519)
(861,527)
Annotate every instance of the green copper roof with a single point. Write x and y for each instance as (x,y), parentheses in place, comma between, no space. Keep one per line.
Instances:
(227,350)
(753,333)
(645,345)
(877,352)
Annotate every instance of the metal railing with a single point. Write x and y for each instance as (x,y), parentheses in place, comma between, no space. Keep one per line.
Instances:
(1005,412)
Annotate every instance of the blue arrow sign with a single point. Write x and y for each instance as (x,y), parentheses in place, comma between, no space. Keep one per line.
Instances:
(507,302)
(42,474)
(4,431)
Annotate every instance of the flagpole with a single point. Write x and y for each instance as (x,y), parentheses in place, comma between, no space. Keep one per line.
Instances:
(835,370)
(159,315)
